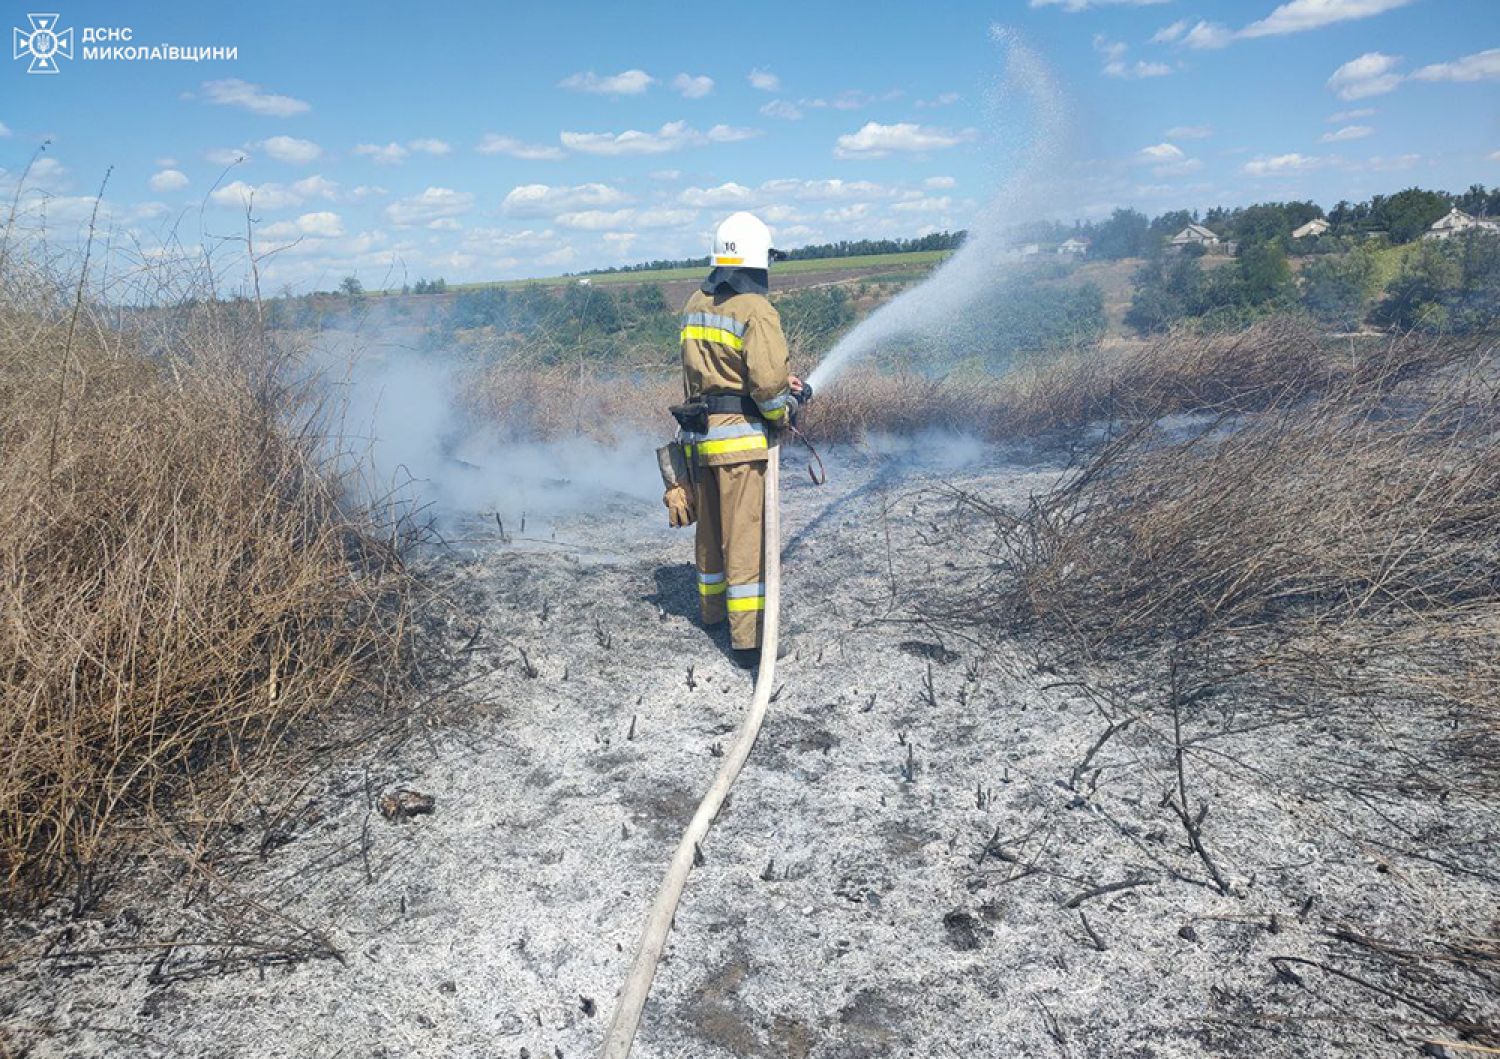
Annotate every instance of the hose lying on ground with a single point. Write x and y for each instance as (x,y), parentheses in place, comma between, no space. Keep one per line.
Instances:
(654,938)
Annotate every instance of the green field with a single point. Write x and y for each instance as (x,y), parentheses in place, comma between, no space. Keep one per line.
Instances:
(826,264)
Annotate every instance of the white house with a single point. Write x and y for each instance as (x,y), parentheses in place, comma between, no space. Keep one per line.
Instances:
(1456,222)
(1313,228)
(1075,247)
(1194,235)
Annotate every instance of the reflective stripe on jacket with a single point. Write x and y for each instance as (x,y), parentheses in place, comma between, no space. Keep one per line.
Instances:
(732,344)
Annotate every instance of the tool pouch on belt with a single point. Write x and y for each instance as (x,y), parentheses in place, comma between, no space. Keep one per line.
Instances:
(672,461)
(692,415)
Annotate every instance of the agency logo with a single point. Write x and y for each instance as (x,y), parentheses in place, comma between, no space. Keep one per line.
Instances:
(45,44)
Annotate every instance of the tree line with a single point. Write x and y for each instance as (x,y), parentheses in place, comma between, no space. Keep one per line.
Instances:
(815,252)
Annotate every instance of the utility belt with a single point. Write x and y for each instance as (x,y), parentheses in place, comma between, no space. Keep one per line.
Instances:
(692,415)
(701,440)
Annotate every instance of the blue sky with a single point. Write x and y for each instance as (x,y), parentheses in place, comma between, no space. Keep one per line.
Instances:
(492,141)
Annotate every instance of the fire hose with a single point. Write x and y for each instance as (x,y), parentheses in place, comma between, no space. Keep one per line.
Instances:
(654,937)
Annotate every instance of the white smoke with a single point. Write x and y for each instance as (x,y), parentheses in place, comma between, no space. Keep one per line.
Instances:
(404,422)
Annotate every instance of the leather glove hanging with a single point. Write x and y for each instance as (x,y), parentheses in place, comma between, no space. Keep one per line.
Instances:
(679,506)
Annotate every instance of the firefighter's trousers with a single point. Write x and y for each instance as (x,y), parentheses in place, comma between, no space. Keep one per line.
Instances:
(731,548)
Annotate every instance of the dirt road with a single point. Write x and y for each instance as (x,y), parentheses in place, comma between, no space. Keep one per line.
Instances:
(922,857)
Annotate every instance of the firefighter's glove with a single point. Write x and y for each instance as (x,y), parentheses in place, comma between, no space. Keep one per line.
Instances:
(679,506)
(805,395)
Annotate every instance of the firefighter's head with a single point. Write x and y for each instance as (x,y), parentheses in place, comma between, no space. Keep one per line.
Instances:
(742,255)
(743,241)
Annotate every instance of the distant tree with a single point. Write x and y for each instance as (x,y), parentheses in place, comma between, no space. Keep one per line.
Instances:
(1265,276)
(1168,224)
(1407,214)
(1446,285)
(1167,289)
(1479,201)
(1127,233)
(1338,289)
(351,287)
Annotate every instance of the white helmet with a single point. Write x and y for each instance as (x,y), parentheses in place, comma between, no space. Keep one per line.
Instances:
(743,241)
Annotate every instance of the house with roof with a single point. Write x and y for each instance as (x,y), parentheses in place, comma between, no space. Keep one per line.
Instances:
(1076,246)
(1194,235)
(1312,229)
(1457,222)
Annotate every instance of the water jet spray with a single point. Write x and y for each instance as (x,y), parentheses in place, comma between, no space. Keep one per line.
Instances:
(937,307)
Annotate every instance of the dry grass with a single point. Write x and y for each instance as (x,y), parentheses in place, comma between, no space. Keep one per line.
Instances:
(179,578)
(1345,537)
(549,404)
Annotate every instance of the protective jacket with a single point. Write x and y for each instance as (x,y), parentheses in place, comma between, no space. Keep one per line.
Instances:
(732,345)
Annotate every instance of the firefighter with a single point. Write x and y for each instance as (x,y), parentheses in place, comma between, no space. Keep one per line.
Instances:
(734,368)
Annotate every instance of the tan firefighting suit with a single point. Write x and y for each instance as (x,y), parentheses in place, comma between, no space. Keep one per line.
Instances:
(732,345)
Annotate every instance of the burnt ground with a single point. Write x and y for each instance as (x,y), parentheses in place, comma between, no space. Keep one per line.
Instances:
(927,854)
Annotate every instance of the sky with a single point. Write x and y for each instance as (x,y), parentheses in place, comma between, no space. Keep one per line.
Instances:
(491,141)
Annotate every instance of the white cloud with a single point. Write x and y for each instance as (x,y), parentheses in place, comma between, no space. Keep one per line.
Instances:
(367,191)
(1206,36)
(1299,15)
(731,134)
(855,211)
(664,217)
(780,108)
(1348,132)
(169,180)
(764,80)
(238,195)
(597,220)
(875,140)
(942,99)
(1493,156)
(672,136)
(386,154)
(428,145)
(924,204)
(1282,163)
(851,99)
(317,187)
(693,86)
(1190,132)
(322,225)
(226,155)
(1116,66)
(940,182)
(1351,115)
(628,83)
(493,143)
(729,194)
(434,204)
(1481,66)
(823,190)
(615,220)
(666,175)
(1159,153)
(1167,34)
(541,200)
(4,130)
(292,150)
(1084,5)
(233,92)
(1372,74)
(1139,68)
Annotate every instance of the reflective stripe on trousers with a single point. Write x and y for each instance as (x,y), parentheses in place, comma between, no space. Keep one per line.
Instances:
(747,597)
